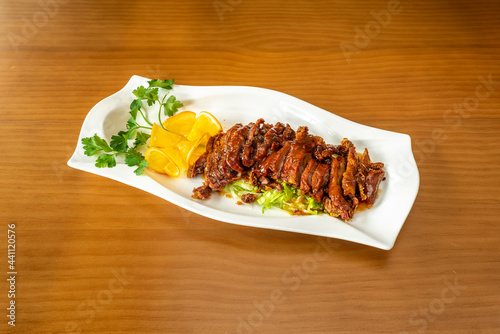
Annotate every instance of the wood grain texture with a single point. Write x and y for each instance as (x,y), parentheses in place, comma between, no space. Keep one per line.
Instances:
(96,256)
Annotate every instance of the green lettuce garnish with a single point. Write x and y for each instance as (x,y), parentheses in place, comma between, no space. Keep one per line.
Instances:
(289,199)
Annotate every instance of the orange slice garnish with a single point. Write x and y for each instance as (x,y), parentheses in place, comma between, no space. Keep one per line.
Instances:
(181,123)
(185,146)
(160,162)
(173,150)
(191,151)
(205,123)
(176,157)
(163,138)
(198,149)
(195,153)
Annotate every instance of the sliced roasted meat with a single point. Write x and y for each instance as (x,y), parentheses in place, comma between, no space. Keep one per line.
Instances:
(323,152)
(269,155)
(363,167)
(335,203)
(272,165)
(349,184)
(343,148)
(288,134)
(249,152)
(294,165)
(202,192)
(320,180)
(270,137)
(218,172)
(199,166)
(373,179)
(306,178)
(235,146)
(249,198)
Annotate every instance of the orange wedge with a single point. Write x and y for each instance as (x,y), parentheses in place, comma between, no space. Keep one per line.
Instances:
(160,162)
(182,143)
(195,153)
(205,123)
(191,150)
(198,149)
(185,146)
(175,155)
(180,123)
(162,138)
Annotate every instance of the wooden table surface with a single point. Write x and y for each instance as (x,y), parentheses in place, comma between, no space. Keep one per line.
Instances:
(96,256)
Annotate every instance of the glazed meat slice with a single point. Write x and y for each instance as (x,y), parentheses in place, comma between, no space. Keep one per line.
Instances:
(376,165)
(288,134)
(199,166)
(363,167)
(294,165)
(349,184)
(202,192)
(303,137)
(335,204)
(310,142)
(249,152)
(234,147)
(343,148)
(270,137)
(249,198)
(320,180)
(221,151)
(306,178)
(373,179)
(212,141)
(323,152)
(218,173)
(212,174)
(274,162)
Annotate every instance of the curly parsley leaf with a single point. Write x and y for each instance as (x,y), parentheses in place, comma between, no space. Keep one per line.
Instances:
(132,126)
(151,96)
(95,144)
(134,107)
(171,106)
(119,142)
(105,160)
(135,158)
(165,84)
(139,92)
(139,170)
(141,139)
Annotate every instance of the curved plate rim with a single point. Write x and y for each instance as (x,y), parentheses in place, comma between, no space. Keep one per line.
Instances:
(402,172)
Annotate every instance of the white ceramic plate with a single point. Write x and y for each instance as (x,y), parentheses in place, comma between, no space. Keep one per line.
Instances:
(377,227)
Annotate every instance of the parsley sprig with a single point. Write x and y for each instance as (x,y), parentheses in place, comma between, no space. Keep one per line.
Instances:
(129,142)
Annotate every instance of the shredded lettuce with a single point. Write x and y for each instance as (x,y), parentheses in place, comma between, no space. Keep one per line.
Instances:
(238,188)
(289,199)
